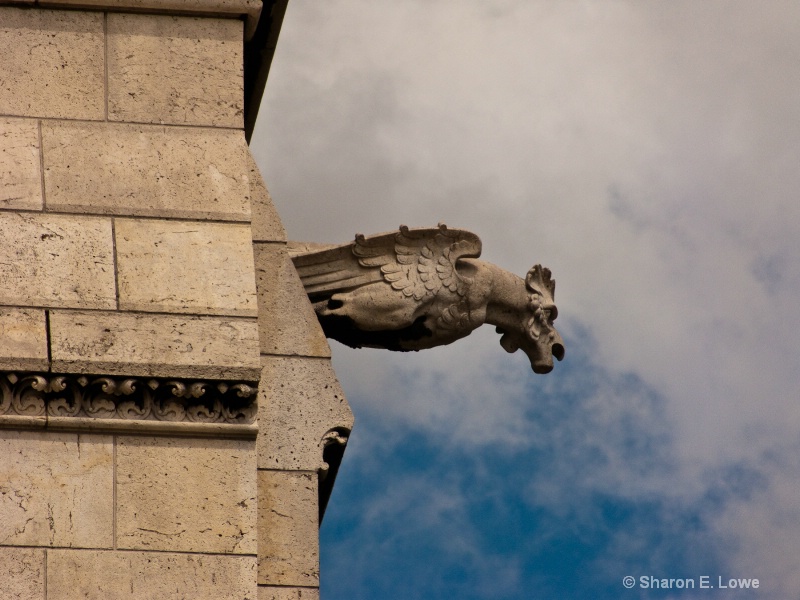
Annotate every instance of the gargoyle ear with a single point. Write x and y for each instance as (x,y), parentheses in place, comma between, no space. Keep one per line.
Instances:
(538,279)
(534,278)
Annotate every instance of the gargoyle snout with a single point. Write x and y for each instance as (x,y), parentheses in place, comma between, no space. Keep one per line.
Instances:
(542,356)
(545,363)
(540,352)
(543,369)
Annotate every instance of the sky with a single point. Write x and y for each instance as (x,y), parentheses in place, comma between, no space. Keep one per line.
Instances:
(648,153)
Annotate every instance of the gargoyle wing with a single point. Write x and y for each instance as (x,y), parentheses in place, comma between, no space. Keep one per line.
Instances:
(419,262)
(332,270)
(416,262)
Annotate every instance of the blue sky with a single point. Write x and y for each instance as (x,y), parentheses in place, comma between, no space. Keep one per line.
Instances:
(647,152)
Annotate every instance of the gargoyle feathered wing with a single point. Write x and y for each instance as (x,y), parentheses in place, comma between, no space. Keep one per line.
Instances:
(416,262)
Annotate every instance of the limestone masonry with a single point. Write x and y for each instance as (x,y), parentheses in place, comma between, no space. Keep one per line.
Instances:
(170,422)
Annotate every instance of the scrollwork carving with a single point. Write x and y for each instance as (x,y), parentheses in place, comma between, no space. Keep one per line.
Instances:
(28,395)
(65,400)
(127,398)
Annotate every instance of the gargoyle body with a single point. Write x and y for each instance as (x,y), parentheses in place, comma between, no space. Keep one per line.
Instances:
(420,288)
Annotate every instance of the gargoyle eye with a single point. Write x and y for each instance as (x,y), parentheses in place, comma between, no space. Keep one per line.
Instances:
(551,312)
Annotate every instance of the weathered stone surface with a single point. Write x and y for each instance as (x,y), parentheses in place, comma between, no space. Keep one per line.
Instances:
(287,323)
(98,575)
(154,345)
(180,70)
(287,593)
(20,175)
(300,402)
(146,170)
(52,63)
(185,267)
(55,489)
(22,577)
(56,260)
(23,339)
(186,495)
(288,526)
(267,225)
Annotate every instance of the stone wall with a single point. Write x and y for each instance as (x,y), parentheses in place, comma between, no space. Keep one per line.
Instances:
(145,292)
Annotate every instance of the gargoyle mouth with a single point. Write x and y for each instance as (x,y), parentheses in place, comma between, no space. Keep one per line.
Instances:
(507,341)
(558,351)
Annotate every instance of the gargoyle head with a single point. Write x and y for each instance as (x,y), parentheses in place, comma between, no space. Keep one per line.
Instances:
(537,337)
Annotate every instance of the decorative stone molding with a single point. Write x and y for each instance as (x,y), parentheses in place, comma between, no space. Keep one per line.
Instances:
(136,404)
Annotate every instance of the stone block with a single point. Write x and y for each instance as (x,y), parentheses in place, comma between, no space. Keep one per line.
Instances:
(287,323)
(300,406)
(287,593)
(56,489)
(23,340)
(185,267)
(53,63)
(179,70)
(20,175)
(186,495)
(288,526)
(22,577)
(154,345)
(266,224)
(56,260)
(98,575)
(146,170)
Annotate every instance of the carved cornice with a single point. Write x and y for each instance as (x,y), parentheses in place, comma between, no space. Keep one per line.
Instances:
(126,403)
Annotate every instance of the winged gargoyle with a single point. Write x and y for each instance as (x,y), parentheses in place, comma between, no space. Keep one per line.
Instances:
(420,288)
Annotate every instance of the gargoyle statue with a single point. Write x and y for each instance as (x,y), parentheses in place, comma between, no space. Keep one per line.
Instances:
(420,288)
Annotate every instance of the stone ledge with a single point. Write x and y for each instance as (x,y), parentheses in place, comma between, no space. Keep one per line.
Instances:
(128,405)
(249,9)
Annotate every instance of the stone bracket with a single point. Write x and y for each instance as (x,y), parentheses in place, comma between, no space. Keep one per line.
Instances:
(121,404)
